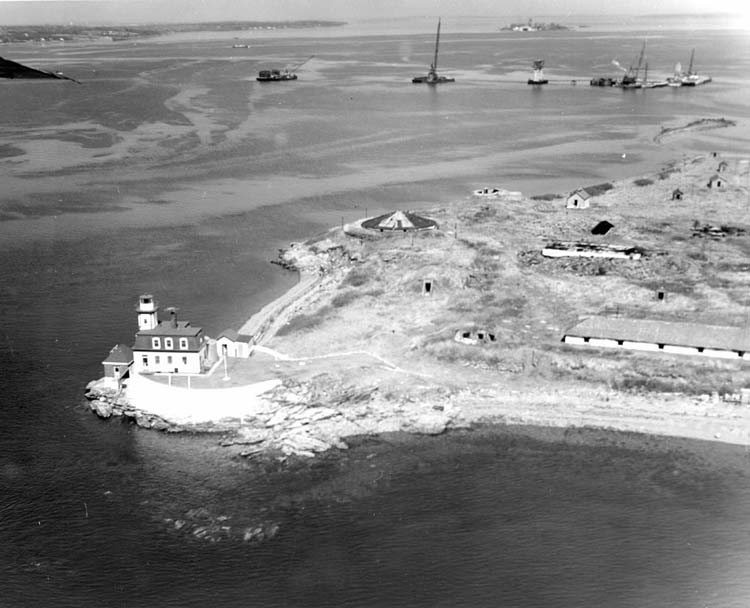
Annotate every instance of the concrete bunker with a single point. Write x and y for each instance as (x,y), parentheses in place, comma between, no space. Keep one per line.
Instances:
(475,336)
(602,227)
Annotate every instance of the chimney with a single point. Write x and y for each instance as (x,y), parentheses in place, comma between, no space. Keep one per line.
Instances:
(172,316)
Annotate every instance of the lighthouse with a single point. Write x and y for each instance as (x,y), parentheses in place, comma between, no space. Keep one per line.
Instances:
(148,312)
(167,347)
(538,77)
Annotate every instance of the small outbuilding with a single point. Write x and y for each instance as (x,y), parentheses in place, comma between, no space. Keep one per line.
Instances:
(677,194)
(400,221)
(231,344)
(117,364)
(715,182)
(580,199)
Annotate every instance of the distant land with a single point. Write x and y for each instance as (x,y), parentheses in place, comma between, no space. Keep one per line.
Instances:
(529,26)
(44,33)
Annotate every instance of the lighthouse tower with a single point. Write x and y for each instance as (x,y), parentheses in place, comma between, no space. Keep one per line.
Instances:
(538,77)
(148,312)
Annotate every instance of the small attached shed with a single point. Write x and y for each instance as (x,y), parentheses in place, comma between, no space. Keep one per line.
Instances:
(117,364)
(715,182)
(677,194)
(231,344)
(580,199)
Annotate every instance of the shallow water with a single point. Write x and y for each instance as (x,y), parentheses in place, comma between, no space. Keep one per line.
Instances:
(120,194)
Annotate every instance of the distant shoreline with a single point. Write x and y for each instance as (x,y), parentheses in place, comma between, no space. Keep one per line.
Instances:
(65,33)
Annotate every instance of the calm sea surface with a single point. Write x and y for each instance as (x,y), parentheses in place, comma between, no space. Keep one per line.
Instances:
(170,170)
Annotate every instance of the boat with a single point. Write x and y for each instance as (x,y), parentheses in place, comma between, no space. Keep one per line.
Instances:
(690,78)
(652,84)
(538,76)
(675,80)
(274,75)
(603,81)
(432,76)
(279,75)
(630,78)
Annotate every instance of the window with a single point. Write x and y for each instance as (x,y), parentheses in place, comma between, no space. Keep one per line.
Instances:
(157,360)
(169,360)
(156,343)
(183,343)
(184,360)
(168,344)
(144,360)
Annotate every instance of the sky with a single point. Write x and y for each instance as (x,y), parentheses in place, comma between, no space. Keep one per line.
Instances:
(144,11)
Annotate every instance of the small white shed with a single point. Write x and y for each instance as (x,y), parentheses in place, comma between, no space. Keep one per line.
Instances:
(231,344)
(580,199)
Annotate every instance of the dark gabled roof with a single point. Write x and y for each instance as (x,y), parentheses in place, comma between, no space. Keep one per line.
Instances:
(399,220)
(674,333)
(228,333)
(121,353)
(232,335)
(580,192)
(715,177)
(167,329)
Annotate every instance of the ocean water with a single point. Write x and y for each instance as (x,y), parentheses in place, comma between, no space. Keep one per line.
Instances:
(170,170)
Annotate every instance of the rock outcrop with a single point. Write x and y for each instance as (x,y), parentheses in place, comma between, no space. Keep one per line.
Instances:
(301,419)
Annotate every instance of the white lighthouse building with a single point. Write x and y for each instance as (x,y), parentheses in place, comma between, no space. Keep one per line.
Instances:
(170,346)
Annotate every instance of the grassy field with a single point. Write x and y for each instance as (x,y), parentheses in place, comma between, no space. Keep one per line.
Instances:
(488,273)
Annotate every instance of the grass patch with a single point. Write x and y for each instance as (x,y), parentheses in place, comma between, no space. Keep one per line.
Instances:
(345,297)
(665,173)
(303,322)
(357,277)
(598,189)
(643,181)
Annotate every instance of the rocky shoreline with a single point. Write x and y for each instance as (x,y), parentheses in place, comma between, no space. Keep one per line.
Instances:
(298,418)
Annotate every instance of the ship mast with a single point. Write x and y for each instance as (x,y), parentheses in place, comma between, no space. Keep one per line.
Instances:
(437,43)
(640,61)
(690,68)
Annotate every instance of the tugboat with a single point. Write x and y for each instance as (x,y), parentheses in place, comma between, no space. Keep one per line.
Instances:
(432,76)
(277,75)
(538,76)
